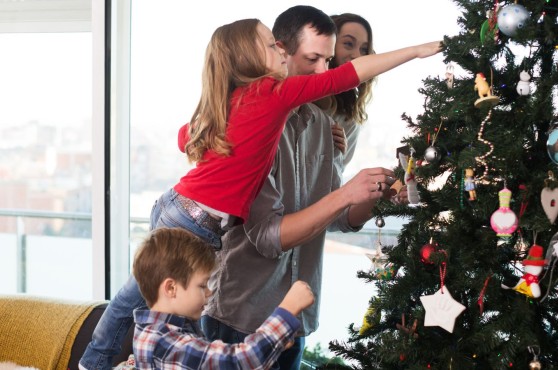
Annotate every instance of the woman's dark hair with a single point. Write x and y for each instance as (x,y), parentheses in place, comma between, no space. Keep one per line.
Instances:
(351,104)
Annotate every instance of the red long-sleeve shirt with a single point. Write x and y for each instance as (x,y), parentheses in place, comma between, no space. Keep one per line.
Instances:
(231,183)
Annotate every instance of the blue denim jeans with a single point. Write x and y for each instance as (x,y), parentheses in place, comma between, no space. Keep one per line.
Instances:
(118,316)
(214,329)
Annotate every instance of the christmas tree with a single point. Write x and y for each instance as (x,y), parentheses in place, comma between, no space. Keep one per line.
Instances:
(471,282)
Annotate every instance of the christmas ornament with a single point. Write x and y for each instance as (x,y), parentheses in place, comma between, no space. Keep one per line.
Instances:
(408,163)
(549,198)
(486,97)
(441,309)
(388,272)
(524,85)
(512,18)
(431,154)
(489,28)
(550,259)
(503,220)
(381,268)
(470,184)
(535,363)
(552,251)
(529,282)
(482,159)
(480,301)
(449,76)
(552,142)
(426,252)
(370,318)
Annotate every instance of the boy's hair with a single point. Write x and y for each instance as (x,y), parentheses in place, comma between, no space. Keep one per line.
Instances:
(288,25)
(170,253)
(233,58)
(352,103)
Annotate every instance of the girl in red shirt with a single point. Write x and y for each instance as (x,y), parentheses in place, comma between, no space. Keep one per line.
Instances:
(234,132)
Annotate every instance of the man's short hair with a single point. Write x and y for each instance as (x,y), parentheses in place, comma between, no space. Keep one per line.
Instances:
(289,25)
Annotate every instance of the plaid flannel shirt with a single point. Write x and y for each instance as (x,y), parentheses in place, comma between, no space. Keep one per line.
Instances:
(166,341)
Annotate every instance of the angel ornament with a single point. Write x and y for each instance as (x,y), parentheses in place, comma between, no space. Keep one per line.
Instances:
(409,164)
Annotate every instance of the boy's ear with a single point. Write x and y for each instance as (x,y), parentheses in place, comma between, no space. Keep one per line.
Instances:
(169,287)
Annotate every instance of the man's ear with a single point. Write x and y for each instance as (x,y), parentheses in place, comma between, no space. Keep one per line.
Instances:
(169,287)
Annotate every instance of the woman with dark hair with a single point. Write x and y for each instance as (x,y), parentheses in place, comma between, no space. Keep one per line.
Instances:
(348,109)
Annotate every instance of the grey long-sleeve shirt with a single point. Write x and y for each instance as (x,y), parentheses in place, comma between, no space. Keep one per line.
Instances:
(254,274)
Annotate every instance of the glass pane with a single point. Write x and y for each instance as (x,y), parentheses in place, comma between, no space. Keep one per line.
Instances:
(45,160)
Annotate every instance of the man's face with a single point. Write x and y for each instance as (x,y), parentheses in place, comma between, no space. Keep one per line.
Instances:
(313,54)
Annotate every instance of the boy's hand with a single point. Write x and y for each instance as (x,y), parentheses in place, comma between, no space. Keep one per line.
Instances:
(298,298)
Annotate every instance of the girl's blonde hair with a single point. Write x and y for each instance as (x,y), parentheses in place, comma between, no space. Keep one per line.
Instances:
(233,58)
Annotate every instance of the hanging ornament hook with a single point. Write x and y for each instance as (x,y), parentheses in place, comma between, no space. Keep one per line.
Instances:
(535,351)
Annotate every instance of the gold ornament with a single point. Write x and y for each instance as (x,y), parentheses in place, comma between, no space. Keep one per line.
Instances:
(535,365)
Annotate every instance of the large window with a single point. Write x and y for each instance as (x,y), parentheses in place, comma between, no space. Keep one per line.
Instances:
(46,149)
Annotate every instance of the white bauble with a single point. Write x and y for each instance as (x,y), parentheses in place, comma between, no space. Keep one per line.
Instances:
(512,18)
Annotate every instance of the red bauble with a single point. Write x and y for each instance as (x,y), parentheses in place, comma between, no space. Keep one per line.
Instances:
(426,251)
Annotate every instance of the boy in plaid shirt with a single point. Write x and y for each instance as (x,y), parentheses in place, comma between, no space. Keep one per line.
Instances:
(172,268)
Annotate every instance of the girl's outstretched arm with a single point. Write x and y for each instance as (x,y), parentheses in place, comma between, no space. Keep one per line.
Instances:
(369,66)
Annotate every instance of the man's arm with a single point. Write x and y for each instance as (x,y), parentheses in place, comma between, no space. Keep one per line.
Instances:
(359,193)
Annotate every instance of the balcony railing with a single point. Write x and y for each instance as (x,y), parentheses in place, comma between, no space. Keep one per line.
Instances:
(21,236)
(366,238)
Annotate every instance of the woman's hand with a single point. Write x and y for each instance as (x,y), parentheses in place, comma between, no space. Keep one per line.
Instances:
(339,138)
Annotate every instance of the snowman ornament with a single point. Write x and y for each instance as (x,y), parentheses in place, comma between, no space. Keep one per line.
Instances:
(529,282)
(524,84)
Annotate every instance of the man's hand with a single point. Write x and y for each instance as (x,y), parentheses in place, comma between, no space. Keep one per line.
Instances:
(369,184)
(298,298)
(339,138)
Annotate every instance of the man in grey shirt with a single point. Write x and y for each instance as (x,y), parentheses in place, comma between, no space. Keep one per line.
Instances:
(283,239)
